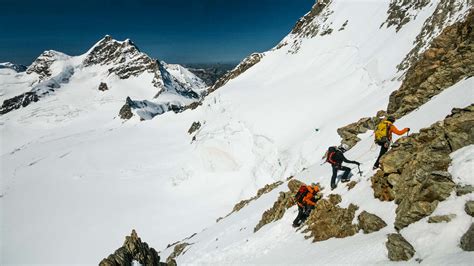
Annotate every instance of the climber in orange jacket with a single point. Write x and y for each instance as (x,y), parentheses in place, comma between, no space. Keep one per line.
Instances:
(383,136)
(306,198)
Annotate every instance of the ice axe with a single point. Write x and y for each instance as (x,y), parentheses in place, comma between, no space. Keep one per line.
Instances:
(360,172)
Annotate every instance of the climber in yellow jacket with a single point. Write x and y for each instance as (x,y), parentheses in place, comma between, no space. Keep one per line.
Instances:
(383,136)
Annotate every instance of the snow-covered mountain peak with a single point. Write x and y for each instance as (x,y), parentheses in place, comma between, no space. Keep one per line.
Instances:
(42,64)
(124,57)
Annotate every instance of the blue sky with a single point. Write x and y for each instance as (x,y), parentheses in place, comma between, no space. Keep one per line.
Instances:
(177,31)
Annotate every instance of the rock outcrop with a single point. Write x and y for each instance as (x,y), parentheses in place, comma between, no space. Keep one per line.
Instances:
(369,222)
(445,12)
(349,133)
(133,249)
(415,170)
(178,250)
(449,59)
(267,188)
(16,102)
(467,240)
(329,220)
(103,86)
(243,66)
(469,207)
(464,189)
(126,110)
(284,201)
(194,127)
(398,248)
(401,12)
(441,218)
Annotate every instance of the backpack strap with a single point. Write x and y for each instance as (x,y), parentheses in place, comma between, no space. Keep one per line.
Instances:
(330,159)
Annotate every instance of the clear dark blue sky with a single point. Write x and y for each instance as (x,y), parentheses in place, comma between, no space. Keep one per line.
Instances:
(181,31)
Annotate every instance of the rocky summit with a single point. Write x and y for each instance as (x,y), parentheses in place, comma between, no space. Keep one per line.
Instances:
(133,249)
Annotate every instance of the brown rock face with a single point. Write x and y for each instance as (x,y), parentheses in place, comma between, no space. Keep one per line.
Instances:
(369,222)
(441,218)
(267,188)
(284,202)
(349,133)
(133,249)
(467,240)
(415,171)
(398,248)
(449,59)
(469,207)
(328,220)
(276,212)
(178,249)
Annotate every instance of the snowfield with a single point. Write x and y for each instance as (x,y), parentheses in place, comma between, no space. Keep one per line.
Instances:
(76,179)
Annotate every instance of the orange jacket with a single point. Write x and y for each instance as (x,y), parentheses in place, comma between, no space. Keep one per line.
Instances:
(394,129)
(308,199)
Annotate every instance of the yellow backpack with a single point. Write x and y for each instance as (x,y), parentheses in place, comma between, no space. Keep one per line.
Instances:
(382,131)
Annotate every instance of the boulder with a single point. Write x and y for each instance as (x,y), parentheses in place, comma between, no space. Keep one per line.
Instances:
(467,240)
(441,218)
(328,220)
(369,222)
(194,127)
(464,189)
(469,208)
(398,248)
(103,86)
(351,185)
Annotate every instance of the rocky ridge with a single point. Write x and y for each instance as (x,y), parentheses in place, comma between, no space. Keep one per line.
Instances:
(243,66)
(133,249)
(415,170)
(266,189)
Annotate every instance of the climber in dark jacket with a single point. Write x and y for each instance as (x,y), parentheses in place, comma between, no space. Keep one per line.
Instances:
(335,157)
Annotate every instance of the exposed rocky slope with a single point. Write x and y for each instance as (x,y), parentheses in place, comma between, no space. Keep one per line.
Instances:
(133,249)
(449,59)
(243,66)
(329,220)
(267,188)
(415,171)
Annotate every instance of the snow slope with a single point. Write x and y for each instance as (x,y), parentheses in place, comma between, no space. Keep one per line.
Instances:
(76,179)
(232,241)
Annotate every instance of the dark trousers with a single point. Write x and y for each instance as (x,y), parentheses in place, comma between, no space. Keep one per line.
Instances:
(303,213)
(383,150)
(336,168)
